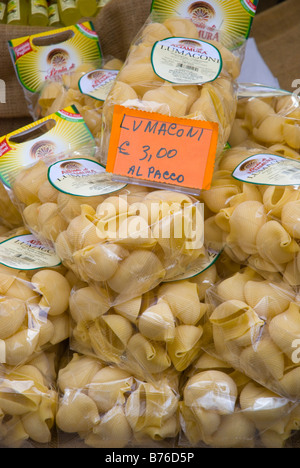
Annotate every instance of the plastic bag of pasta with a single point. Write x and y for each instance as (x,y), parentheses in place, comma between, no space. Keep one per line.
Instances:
(224,408)
(159,332)
(86,88)
(28,402)
(57,57)
(27,153)
(255,329)
(170,71)
(109,408)
(268,116)
(252,210)
(9,215)
(34,308)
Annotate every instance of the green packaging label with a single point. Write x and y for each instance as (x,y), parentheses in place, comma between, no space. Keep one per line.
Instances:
(268,169)
(48,56)
(27,253)
(227,21)
(186,61)
(98,83)
(58,135)
(82,177)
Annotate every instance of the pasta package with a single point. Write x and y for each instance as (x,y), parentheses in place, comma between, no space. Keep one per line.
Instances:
(269,117)
(34,302)
(109,408)
(224,408)
(252,210)
(155,334)
(254,329)
(170,71)
(86,88)
(56,58)
(28,402)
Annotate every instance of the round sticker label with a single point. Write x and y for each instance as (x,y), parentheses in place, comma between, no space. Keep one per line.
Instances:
(268,169)
(181,60)
(98,83)
(26,252)
(82,178)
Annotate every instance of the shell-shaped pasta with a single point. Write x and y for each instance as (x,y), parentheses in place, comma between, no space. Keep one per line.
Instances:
(234,156)
(257,110)
(78,373)
(181,27)
(61,325)
(245,223)
(55,290)
(77,412)
(12,315)
(110,336)
(284,329)
(28,182)
(38,424)
(151,357)
(267,298)
(50,222)
(70,207)
(154,32)
(238,322)
(192,93)
(186,346)
(211,390)
(150,406)
(183,300)
(157,322)
(235,431)
(112,432)
(14,432)
(20,346)
(176,100)
(139,75)
(130,309)
(263,362)
(233,287)
(262,406)
(47,193)
(291,134)
(270,131)
(290,218)
(46,331)
(275,198)
(108,388)
(239,133)
(290,383)
(205,280)
(99,262)
(138,273)
(22,289)
(30,215)
(82,231)
(88,303)
(275,244)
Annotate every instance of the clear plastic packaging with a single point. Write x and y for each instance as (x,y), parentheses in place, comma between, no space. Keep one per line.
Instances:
(109,408)
(224,408)
(156,334)
(252,210)
(34,308)
(28,400)
(53,57)
(254,326)
(178,85)
(59,95)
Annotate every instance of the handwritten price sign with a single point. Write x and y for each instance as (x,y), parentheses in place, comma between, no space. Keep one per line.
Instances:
(160,150)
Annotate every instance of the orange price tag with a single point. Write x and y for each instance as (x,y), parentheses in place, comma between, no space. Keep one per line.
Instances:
(162,151)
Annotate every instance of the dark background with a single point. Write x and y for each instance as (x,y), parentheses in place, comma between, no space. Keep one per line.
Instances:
(265,4)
